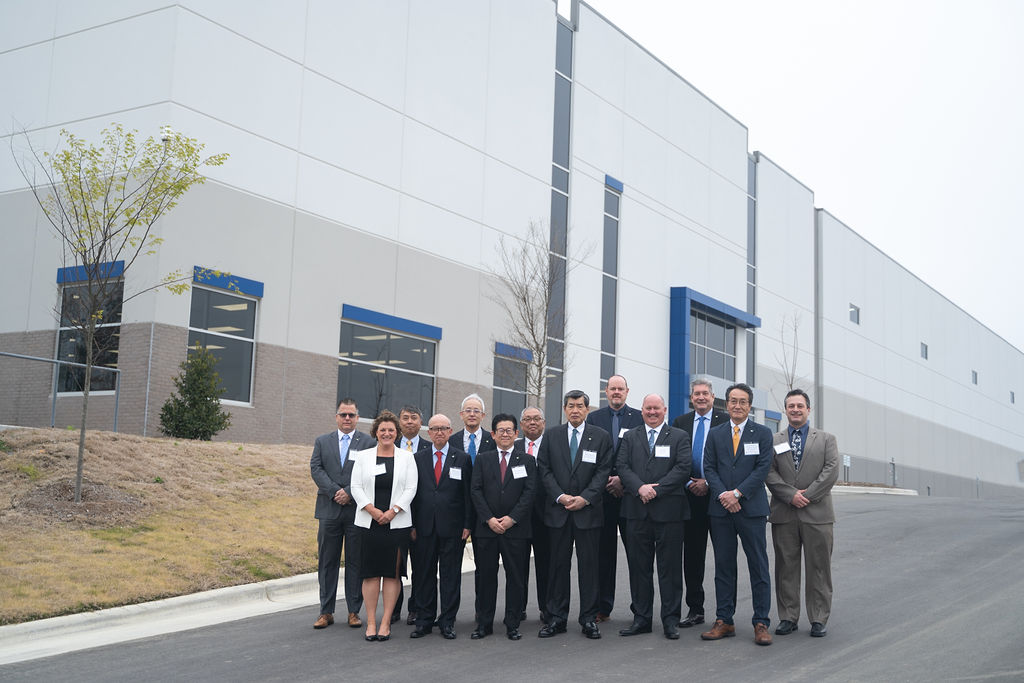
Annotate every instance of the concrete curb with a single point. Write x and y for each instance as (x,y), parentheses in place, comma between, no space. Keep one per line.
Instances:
(58,635)
(878,490)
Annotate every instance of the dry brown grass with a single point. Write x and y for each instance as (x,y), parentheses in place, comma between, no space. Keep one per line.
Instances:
(159,517)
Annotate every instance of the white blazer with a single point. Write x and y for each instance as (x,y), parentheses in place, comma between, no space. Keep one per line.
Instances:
(403,488)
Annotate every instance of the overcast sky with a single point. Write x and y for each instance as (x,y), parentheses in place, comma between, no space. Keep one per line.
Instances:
(904,117)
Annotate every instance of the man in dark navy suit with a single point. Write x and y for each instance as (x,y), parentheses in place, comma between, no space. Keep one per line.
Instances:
(442,514)
(331,469)
(737,459)
(697,424)
(574,462)
(616,418)
(503,487)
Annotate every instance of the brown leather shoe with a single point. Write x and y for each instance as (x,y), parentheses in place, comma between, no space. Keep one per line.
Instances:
(323,621)
(761,635)
(720,630)
(601,618)
(353,620)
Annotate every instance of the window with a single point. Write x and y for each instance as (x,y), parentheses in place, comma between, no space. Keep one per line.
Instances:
(974,376)
(712,346)
(855,314)
(924,351)
(76,302)
(509,379)
(383,369)
(226,325)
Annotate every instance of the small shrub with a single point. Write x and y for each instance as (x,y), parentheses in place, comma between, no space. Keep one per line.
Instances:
(194,411)
(158,480)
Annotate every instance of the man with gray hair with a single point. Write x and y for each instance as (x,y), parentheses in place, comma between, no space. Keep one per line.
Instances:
(472,439)
(696,424)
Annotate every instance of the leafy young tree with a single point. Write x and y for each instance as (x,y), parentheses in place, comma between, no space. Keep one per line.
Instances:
(102,203)
(194,411)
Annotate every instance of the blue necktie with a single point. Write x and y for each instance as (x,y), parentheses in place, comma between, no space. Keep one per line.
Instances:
(650,441)
(574,446)
(698,448)
(472,448)
(344,448)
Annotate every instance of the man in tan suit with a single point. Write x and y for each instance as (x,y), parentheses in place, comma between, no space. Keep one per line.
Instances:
(804,468)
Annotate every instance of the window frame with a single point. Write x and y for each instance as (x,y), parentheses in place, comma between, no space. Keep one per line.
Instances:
(62,328)
(255,329)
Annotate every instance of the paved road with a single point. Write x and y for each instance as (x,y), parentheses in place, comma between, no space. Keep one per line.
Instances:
(926,589)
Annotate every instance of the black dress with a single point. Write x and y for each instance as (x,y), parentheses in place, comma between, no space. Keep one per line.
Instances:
(384,550)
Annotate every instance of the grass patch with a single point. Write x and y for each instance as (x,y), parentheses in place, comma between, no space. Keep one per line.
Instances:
(120,534)
(29,471)
(4,446)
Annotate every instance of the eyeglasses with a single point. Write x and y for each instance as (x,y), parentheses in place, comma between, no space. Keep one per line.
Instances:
(438,429)
(472,411)
(739,402)
(505,430)
(349,415)
(538,418)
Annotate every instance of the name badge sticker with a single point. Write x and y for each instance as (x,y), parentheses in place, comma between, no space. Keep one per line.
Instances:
(519,472)
(380,469)
(751,449)
(782,447)
(622,432)
(590,456)
(662,451)
(455,473)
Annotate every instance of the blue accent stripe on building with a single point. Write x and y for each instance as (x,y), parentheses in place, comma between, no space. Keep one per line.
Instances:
(107,269)
(613,183)
(515,352)
(392,322)
(720,309)
(772,415)
(233,283)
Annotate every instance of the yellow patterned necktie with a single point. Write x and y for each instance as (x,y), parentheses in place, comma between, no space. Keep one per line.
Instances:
(735,439)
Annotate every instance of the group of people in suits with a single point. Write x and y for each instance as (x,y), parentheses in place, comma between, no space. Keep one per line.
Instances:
(601,475)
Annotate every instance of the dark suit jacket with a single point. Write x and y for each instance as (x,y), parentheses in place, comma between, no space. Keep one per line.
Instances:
(443,508)
(744,472)
(602,417)
(325,467)
(638,466)
(513,497)
(586,479)
(486,442)
(685,422)
(819,470)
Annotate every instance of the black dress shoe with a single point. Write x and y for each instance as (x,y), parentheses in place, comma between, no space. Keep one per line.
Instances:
(448,632)
(396,617)
(692,620)
(635,628)
(514,634)
(591,631)
(381,639)
(672,633)
(481,632)
(420,631)
(411,619)
(552,628)
(818,630)
(370,639)
(786,627)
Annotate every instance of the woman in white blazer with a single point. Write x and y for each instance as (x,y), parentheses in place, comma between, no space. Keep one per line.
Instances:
(383,486)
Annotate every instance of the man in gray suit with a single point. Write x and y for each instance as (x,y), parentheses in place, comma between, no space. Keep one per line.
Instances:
(331,468)
(804,468)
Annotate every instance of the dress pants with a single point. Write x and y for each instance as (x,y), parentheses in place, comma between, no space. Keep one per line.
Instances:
(331,536)
(586,541)
(751,533)
(608,552)
(649,540)
(695,551)
(816,542)
(541,544)
(433,554)
(514,553)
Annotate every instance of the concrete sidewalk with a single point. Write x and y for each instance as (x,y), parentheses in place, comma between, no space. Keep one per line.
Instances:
(47,637)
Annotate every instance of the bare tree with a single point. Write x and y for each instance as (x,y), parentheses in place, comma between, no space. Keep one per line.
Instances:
(531,294)
(787,361)
(102,203)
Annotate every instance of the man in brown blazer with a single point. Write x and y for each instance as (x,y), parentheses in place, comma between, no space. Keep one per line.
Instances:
(804,468)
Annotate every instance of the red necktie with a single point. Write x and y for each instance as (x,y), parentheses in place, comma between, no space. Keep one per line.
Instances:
(529,448)
(437,467)
(504,464)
